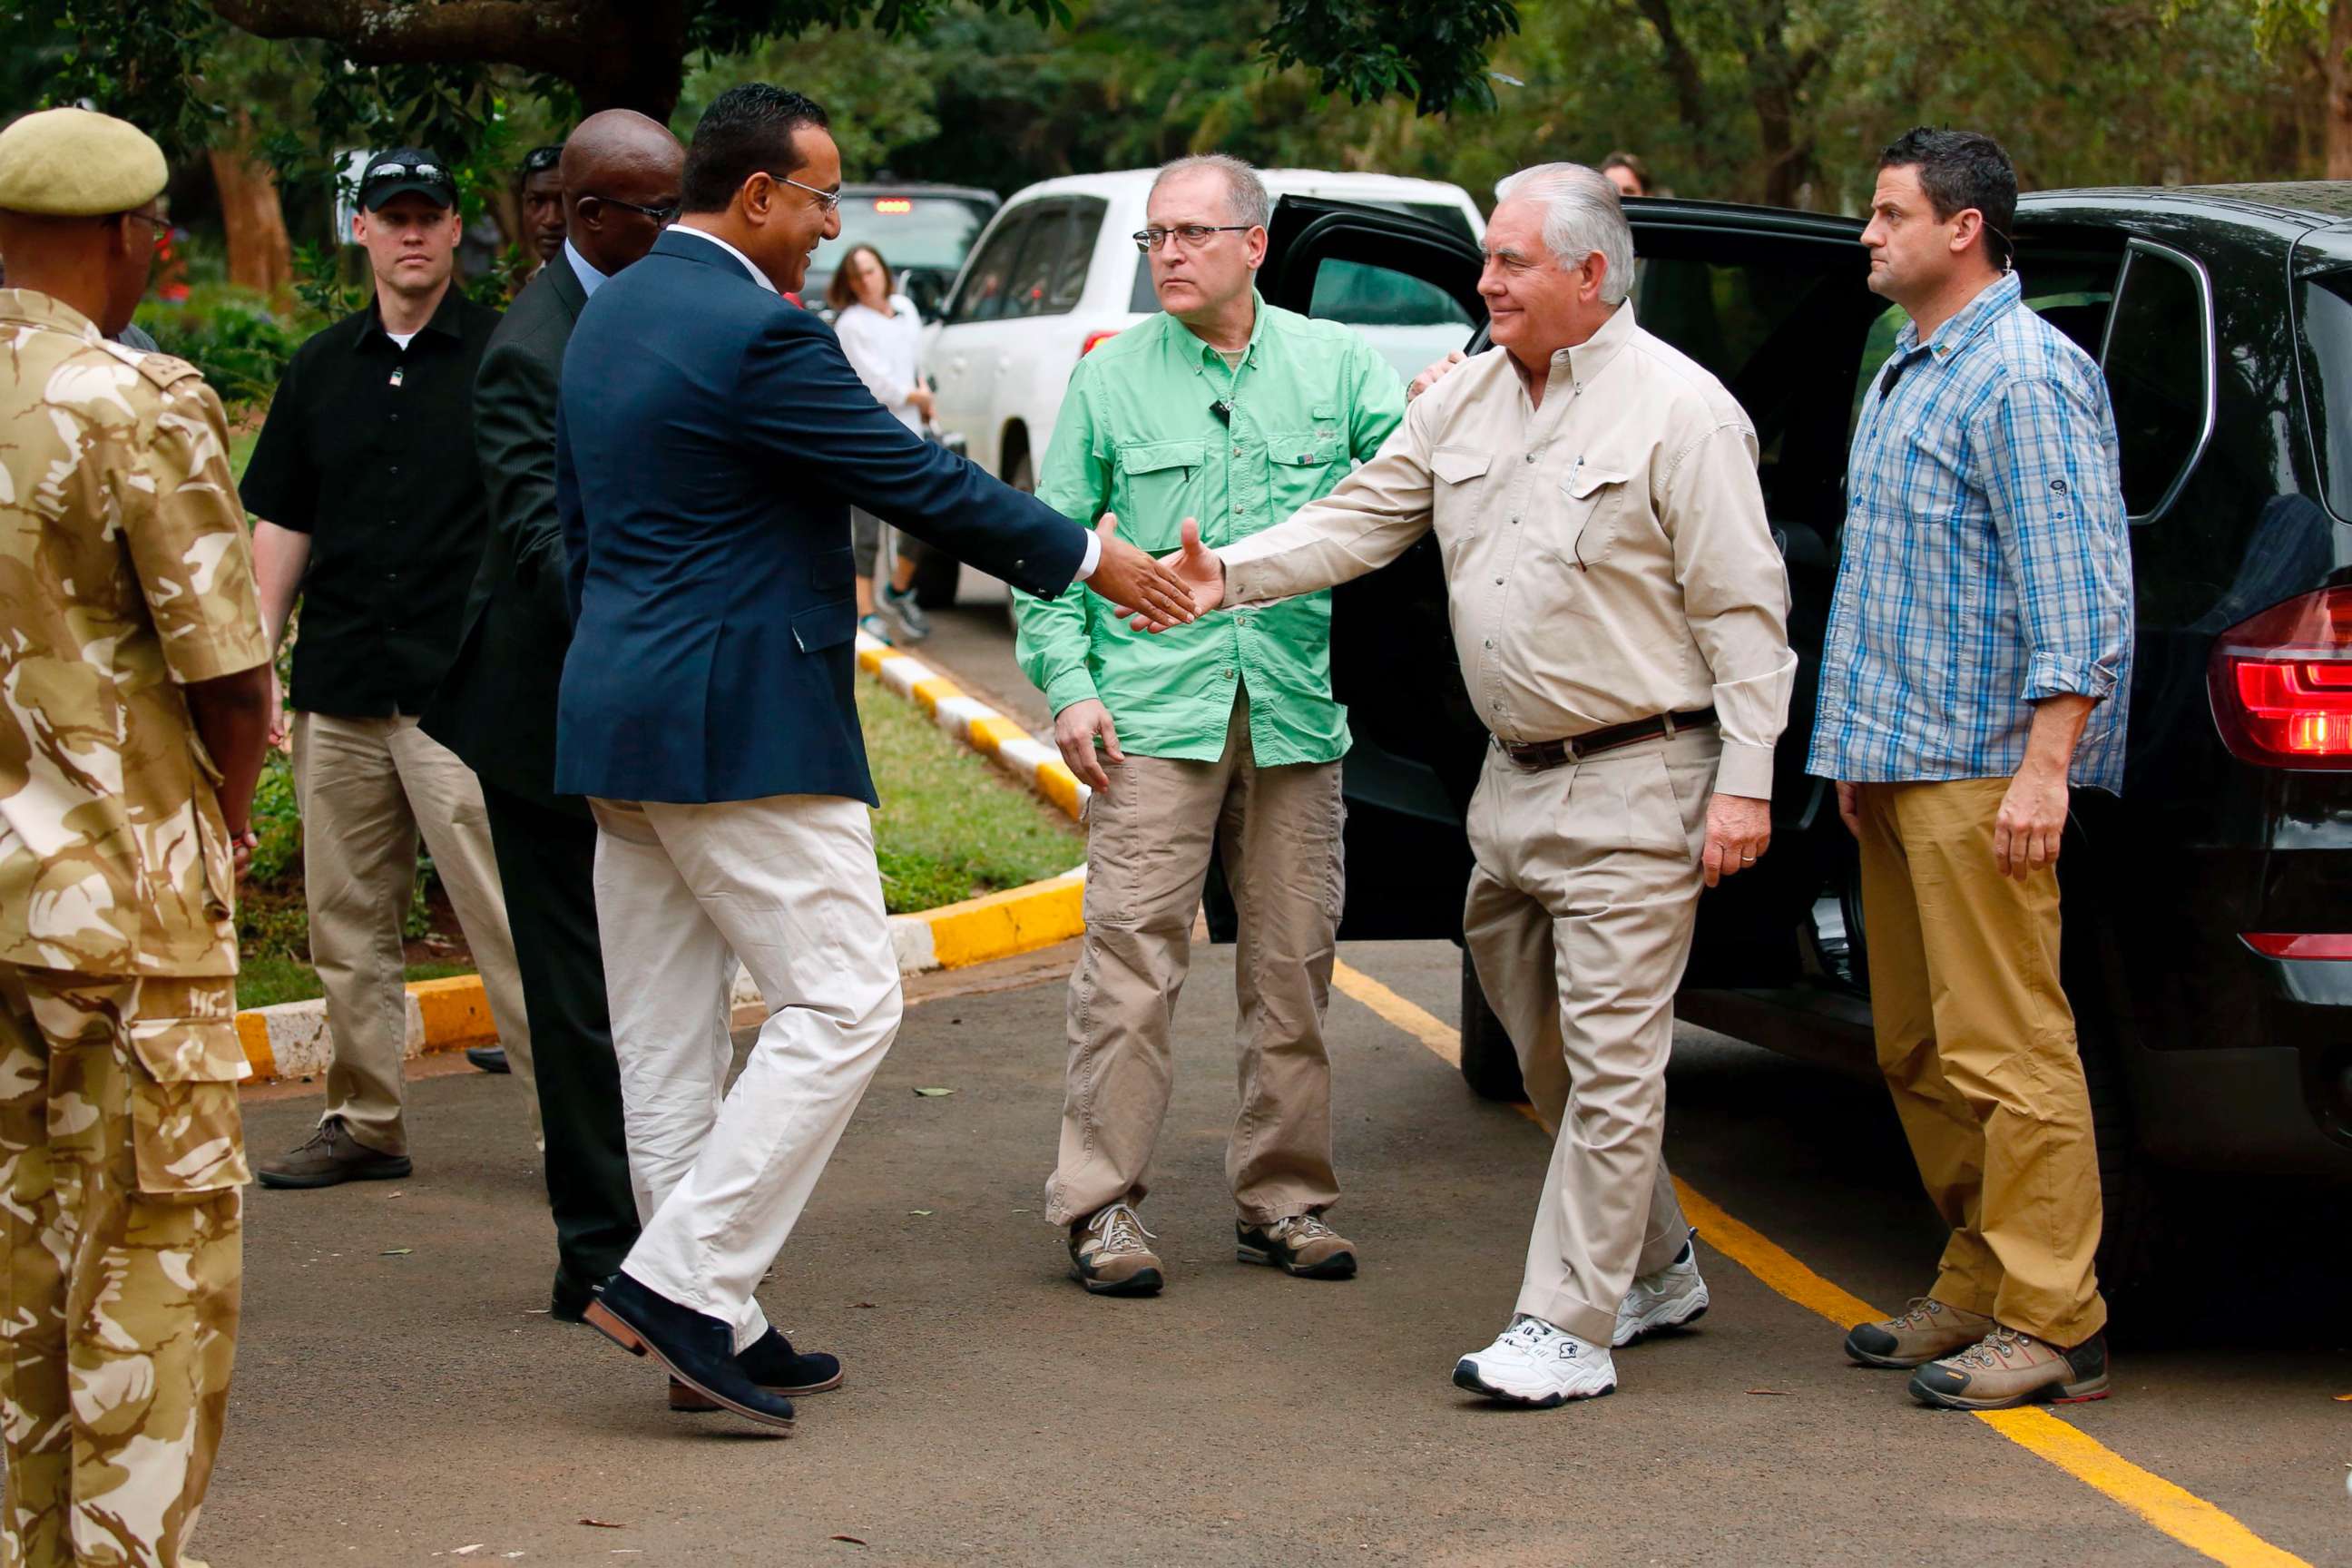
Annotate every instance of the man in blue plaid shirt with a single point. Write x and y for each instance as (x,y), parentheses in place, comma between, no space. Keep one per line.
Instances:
(1978,662)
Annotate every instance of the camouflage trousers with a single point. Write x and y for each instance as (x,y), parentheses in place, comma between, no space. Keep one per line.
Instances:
(122,1159)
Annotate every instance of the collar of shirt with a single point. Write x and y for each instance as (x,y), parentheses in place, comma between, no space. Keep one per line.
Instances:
(1207,351)
(1968,322)
(761,279)
(1588,359)
(39,309)
(590,278)
(445,322)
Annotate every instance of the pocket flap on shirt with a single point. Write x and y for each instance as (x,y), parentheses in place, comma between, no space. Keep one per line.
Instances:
(1586,481)
(825,626)
(1150,456)
(1456,464)
(1303,449)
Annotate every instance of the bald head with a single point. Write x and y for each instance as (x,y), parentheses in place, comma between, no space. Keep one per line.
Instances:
(616,163)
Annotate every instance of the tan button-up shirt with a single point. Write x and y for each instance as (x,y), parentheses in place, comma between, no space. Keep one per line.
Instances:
(1606,554)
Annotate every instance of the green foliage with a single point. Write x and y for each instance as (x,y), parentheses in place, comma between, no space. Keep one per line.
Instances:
(1435,53)
(229,333)
(277,823)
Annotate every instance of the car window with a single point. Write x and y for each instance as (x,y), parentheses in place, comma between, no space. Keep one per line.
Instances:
(982,296)
(2325,305)
(1068,283)
(2071,293)
(1041,258)
(2159,363)
(1362,295)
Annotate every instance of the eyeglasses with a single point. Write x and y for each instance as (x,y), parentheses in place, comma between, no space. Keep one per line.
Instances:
(162,225)
(826,201)
(662,216)
(1193,235)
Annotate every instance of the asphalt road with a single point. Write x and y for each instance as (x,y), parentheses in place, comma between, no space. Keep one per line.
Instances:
(402,1398)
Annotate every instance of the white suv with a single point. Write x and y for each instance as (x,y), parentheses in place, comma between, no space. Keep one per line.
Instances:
(1057,272)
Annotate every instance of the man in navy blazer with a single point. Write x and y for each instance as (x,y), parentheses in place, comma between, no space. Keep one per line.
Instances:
(711,441)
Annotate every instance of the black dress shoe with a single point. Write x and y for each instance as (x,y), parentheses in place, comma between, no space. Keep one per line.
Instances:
(568,1303)
(693,1347)
(490,1058)
(772,1363)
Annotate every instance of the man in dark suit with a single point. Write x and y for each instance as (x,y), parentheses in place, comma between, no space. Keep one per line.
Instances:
(711,440)
(496,708)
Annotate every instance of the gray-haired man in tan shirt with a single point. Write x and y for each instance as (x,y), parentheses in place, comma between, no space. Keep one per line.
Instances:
(1620,614)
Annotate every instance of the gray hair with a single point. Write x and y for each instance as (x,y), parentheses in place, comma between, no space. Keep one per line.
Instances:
(1244,192)
(1581,214)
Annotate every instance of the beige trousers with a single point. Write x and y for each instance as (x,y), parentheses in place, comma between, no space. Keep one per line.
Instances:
(1977,1044)
(1148,839)
(1579,918)
(367,787)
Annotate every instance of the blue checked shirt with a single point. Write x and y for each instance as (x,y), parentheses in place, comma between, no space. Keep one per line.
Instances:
(1986,563)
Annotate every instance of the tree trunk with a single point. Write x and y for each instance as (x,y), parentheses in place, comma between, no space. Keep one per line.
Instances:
(2339,89)
(260,257)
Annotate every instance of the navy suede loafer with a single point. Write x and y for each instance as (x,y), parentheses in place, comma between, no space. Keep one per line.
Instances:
(695,1349)
(772,1363)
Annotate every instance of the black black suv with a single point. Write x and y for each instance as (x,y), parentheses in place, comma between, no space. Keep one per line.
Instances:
(2209,911)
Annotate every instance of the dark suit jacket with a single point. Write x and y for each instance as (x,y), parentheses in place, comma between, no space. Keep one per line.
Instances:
(711,440)
(495,708)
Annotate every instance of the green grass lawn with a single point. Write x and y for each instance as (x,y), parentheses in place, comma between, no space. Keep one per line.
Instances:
(951,826)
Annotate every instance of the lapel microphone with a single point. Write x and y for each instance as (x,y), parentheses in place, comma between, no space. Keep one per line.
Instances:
(1223,409)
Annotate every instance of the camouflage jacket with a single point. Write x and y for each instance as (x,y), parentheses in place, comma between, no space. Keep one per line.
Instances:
(125,573)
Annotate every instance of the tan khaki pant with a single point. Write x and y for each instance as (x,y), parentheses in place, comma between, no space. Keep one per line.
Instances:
(367,787)
(1148,846)
(1579,918)
(1977,1044)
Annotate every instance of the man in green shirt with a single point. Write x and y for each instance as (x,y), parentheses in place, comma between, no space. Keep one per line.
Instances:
(1230,411)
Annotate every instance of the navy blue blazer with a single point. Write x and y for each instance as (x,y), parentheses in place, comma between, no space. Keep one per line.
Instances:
(709,442)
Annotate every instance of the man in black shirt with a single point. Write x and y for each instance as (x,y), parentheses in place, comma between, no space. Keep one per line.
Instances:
(370,506)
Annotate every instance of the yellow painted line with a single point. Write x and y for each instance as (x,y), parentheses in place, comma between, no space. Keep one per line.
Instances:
(1057,784)
(253,1034)
(997,925)
(932,692)
(2179,1512)
(872,659)
(457,1012)
(986,735)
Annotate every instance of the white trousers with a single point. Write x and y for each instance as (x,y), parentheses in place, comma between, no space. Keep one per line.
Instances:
(788,885)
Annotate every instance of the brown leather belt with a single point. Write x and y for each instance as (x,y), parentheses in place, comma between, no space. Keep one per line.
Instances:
(1537,755)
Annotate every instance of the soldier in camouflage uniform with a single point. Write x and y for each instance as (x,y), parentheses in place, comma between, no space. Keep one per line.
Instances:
(133,691)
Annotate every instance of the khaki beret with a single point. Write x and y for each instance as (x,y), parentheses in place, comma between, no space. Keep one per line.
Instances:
(70,163)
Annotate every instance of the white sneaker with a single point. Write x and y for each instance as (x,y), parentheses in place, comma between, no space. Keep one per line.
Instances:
(1669,1299)
(1536,1365)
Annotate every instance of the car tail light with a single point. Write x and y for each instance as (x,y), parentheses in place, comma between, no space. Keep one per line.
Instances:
(2281,683)
(1096,340)
(2300,943)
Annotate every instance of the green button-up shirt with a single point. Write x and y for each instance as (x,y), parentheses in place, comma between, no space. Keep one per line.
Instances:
(1137,436)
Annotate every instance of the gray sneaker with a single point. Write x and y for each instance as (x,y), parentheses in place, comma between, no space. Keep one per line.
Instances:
(1110,1254)
(1927,1330)
(329,1157)
(1301,1246)
(912,621)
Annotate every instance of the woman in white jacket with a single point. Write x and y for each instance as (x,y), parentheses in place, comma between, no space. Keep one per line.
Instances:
(882,335)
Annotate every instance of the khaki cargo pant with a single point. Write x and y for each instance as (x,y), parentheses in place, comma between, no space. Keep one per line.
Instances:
(1148,839)
(121,1156)
(1977,1044)
(367,788)
(1578,918)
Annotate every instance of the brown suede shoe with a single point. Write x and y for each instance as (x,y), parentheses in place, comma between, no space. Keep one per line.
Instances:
(1300,1244)
(2006,1369)
(1929,1329)
(1110,1254)
(330,1157)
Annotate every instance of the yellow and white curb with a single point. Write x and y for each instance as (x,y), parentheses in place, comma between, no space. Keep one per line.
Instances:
(976,724)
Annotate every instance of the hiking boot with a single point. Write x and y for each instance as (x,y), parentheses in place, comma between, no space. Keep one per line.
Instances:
(2006,1369)
(1110,1253)
(1670,1299)
(1929,1329)
(1301,1246)
(330,1157)
(1537,1365)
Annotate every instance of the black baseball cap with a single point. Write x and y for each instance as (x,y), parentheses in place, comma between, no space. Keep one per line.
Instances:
(402,170)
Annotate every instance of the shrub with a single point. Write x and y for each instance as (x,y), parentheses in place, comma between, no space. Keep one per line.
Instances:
(231,334)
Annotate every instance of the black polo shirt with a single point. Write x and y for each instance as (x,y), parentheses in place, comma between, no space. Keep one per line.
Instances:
(369,449)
